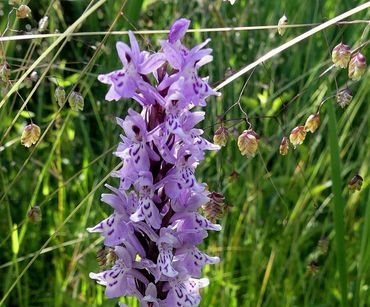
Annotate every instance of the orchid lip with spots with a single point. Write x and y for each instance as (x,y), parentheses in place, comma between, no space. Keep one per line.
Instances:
(155,227)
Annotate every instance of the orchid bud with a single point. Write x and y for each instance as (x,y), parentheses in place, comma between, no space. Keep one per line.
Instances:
(60,95)
(34,215)
(5,72)
(214,209)
(344,97)
(284,146)
(357,66)
(43,24)
(312,122)
(76,101)
(248,143)
(221,136)
(30,135)
(341,55)
(355,183)
(23,11)
(283,21)
(297,135)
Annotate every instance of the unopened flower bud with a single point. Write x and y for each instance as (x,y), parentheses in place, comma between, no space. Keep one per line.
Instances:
(34,215)
(43,24)
(30,135)
(221,136)
(357,66)
(214,209)
(312,122)
(284,146)
(283,21)
(341,55)
(5,72)
(76,101)
(60,95)
(297,135)
(355,183)
(248,143)
(344,97)
(23,11)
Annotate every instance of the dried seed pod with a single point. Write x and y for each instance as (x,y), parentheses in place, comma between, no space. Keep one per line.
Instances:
(215,208)
(312,122)
(76,101)
(34,215)
(355,183)
(341,55)
(284,146)
(43,24)
(30,135)
(23,11)
(248,143)
(357,66)
(344,97)
(297,136)
(60,95)
(221,136)
(283,21)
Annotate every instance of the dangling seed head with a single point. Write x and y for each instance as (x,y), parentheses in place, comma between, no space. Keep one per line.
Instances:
(5,72)
(23,11)
(30,135)
(248,143)
(221,136)
(215,208)
(344,97)
(34,215)
(312,122)
(60,95)
(76,101)
(43,24)
(357,66)
(283,21)
(355,183)
(284,146)
(297,136)
(341,55)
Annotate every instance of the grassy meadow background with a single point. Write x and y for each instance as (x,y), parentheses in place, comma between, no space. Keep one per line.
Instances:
(277,246)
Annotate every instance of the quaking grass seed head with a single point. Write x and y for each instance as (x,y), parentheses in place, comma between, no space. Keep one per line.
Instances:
(284,146)
(221,136)
(23,11)
(34,215)
(283,21)
(344,97)
(341,55)
(355,183)
(297,136)
(357,66)
(5,72)
(76,101)
(30,135)
(248,143)
(60,95)
(312,122)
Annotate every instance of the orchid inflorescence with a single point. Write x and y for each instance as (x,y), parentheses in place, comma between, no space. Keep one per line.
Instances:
(156,227)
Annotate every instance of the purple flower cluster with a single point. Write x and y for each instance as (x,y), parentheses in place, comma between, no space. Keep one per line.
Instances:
(155,227)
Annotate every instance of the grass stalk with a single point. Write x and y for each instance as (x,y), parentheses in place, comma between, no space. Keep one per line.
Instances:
(338,202)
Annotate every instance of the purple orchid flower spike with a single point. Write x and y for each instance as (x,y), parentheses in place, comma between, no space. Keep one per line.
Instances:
(156,226)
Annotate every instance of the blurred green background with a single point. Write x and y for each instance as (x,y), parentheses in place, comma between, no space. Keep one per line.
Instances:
(277,244)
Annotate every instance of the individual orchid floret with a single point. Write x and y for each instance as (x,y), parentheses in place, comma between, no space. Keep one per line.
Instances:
(178,30)
(126,81)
